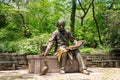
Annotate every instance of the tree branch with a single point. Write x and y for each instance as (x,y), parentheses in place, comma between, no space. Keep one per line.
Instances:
(81,6)
(111,5)
(85,11)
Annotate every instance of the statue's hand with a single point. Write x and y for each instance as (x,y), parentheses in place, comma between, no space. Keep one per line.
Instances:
(43,54)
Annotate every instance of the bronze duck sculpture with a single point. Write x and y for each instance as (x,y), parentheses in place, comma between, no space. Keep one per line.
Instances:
(45,68)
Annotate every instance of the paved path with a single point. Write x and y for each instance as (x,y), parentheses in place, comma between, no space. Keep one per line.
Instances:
(95,74)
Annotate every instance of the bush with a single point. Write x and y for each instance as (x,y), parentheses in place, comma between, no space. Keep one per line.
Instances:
(88,35)
(32,46)
(112,36)
(88,51)
(8,47)
(25,46)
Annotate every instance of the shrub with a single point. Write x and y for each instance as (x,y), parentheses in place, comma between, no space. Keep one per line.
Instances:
(25,46)
(88,51)
(32,46)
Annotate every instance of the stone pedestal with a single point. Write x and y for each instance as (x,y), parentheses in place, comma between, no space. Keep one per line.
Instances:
(36,63)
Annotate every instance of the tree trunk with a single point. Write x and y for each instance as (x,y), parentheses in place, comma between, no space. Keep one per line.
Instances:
(25,28)
(73,16)
(96,22)
(25,33)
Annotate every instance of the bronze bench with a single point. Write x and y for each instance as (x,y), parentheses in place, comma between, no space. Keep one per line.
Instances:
(10,62)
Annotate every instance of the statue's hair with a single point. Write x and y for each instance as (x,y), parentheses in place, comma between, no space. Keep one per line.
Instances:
(60,22)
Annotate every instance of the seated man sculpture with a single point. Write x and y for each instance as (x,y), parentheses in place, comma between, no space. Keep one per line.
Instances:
(61,38)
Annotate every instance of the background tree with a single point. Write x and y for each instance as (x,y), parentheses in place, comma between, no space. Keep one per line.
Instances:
(112,36)
(27,24)
(96,22)
(73,16)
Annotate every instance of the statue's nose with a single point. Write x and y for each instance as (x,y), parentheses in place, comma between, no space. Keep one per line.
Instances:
(61,27)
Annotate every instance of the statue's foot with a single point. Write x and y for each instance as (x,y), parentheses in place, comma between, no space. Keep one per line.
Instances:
(85,72)
(62,71)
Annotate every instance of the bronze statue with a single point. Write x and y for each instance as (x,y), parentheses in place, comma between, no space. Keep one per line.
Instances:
(61,38)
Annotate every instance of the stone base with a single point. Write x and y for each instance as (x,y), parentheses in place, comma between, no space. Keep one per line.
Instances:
(36,63)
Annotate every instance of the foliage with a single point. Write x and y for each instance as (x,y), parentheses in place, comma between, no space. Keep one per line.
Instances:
(87,33)
(26,46)
(32,46)
(8,47)
(39,19)
(88,51)
(42,16)
(112,37)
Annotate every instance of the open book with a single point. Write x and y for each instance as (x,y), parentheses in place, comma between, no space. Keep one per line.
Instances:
(76,46)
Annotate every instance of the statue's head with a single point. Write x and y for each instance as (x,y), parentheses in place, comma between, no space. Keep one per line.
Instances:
(61,25)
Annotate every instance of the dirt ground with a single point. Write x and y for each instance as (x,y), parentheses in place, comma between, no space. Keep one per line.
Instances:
(95,74)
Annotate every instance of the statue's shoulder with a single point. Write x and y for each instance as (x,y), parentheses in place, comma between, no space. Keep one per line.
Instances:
(55,32)
(68,31)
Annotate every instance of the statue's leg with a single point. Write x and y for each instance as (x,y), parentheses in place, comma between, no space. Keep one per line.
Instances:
(81,63)
(63,63)
(82,66)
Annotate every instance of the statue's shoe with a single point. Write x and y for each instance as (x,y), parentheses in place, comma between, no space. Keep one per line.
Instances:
(62,71)
(85,72)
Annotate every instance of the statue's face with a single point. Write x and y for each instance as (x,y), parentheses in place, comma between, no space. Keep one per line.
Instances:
(61,26)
